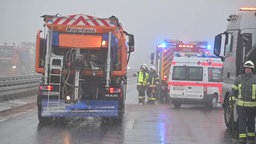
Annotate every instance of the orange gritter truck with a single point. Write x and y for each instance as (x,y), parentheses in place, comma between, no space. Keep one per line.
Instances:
(83,60)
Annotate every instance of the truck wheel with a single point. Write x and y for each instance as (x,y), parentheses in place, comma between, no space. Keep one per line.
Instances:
(228,117)
(121,114)
(40,118)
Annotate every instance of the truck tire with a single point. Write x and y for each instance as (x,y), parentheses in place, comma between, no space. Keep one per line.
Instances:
(230,123)
(122,103)
(40,118)
(121,114)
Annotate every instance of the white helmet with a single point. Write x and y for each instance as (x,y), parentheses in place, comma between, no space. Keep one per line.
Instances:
(249,64)
(153,68)
(144,66)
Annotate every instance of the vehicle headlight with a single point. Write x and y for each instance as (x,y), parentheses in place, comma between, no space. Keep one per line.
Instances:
(68,98)
(14,67)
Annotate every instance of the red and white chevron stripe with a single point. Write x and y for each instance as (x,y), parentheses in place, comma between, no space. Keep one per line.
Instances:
(82,20)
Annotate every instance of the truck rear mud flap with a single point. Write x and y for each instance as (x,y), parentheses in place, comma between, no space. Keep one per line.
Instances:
(84,108)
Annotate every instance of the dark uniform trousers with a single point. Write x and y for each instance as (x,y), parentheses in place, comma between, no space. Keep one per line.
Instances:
(141,90)
(246,118)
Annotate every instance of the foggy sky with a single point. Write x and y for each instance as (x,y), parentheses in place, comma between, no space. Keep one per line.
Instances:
(150,21)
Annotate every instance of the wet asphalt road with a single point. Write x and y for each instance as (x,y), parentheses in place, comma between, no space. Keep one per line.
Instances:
(143,124)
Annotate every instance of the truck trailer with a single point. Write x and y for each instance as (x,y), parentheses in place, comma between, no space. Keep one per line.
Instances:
(83,60)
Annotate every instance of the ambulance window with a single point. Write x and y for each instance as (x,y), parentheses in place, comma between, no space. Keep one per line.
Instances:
(195,73)
(214,74)
(179,73)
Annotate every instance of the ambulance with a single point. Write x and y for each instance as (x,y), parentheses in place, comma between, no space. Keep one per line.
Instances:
(163,56)
(195,79)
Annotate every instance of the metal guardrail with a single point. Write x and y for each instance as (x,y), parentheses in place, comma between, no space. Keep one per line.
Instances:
(18,86)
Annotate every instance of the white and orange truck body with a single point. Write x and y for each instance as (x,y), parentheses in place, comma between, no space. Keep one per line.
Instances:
(83,60)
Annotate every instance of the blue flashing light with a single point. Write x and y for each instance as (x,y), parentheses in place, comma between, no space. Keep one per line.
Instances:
(163,45)
(208,47)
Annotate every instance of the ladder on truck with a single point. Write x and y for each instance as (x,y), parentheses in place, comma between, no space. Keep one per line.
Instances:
(56,65)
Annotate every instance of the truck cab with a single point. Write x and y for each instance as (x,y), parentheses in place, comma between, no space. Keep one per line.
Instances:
(235,45)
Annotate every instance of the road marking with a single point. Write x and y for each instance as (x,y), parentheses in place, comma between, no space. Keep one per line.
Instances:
(130,123)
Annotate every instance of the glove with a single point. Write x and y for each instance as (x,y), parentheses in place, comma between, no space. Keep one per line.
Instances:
(232,100)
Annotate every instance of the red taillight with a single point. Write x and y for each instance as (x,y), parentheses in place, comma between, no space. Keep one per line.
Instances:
(114,90)
(47,88)
(111,90)
(165,77)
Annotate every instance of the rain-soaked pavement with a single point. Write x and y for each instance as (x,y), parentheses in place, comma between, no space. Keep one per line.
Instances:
(142,124)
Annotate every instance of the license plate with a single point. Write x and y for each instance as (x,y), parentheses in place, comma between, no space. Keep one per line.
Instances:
(178,88)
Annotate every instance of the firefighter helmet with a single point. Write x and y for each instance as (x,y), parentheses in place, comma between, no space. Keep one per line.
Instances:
(153,68)
(249,64)
(144,66)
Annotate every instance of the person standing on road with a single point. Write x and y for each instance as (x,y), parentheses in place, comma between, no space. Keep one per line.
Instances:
(153,81)
(142,81)
(244,95)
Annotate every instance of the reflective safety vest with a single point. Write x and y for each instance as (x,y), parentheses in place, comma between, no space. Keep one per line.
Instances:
(142,78)
(244,90)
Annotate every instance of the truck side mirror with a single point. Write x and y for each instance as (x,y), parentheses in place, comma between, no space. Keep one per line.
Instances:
(131,43)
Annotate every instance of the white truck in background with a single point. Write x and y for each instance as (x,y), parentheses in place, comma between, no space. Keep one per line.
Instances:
(235,45)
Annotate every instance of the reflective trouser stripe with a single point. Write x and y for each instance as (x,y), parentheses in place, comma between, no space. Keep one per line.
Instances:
(152,99)
(251,134)
(243,135)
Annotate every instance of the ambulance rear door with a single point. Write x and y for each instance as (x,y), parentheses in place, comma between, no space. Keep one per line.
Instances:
(176,82)
(186,80)
(195,80)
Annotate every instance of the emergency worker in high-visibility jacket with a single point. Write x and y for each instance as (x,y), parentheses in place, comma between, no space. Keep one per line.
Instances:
(153,81)
(244,95)
(142,82)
